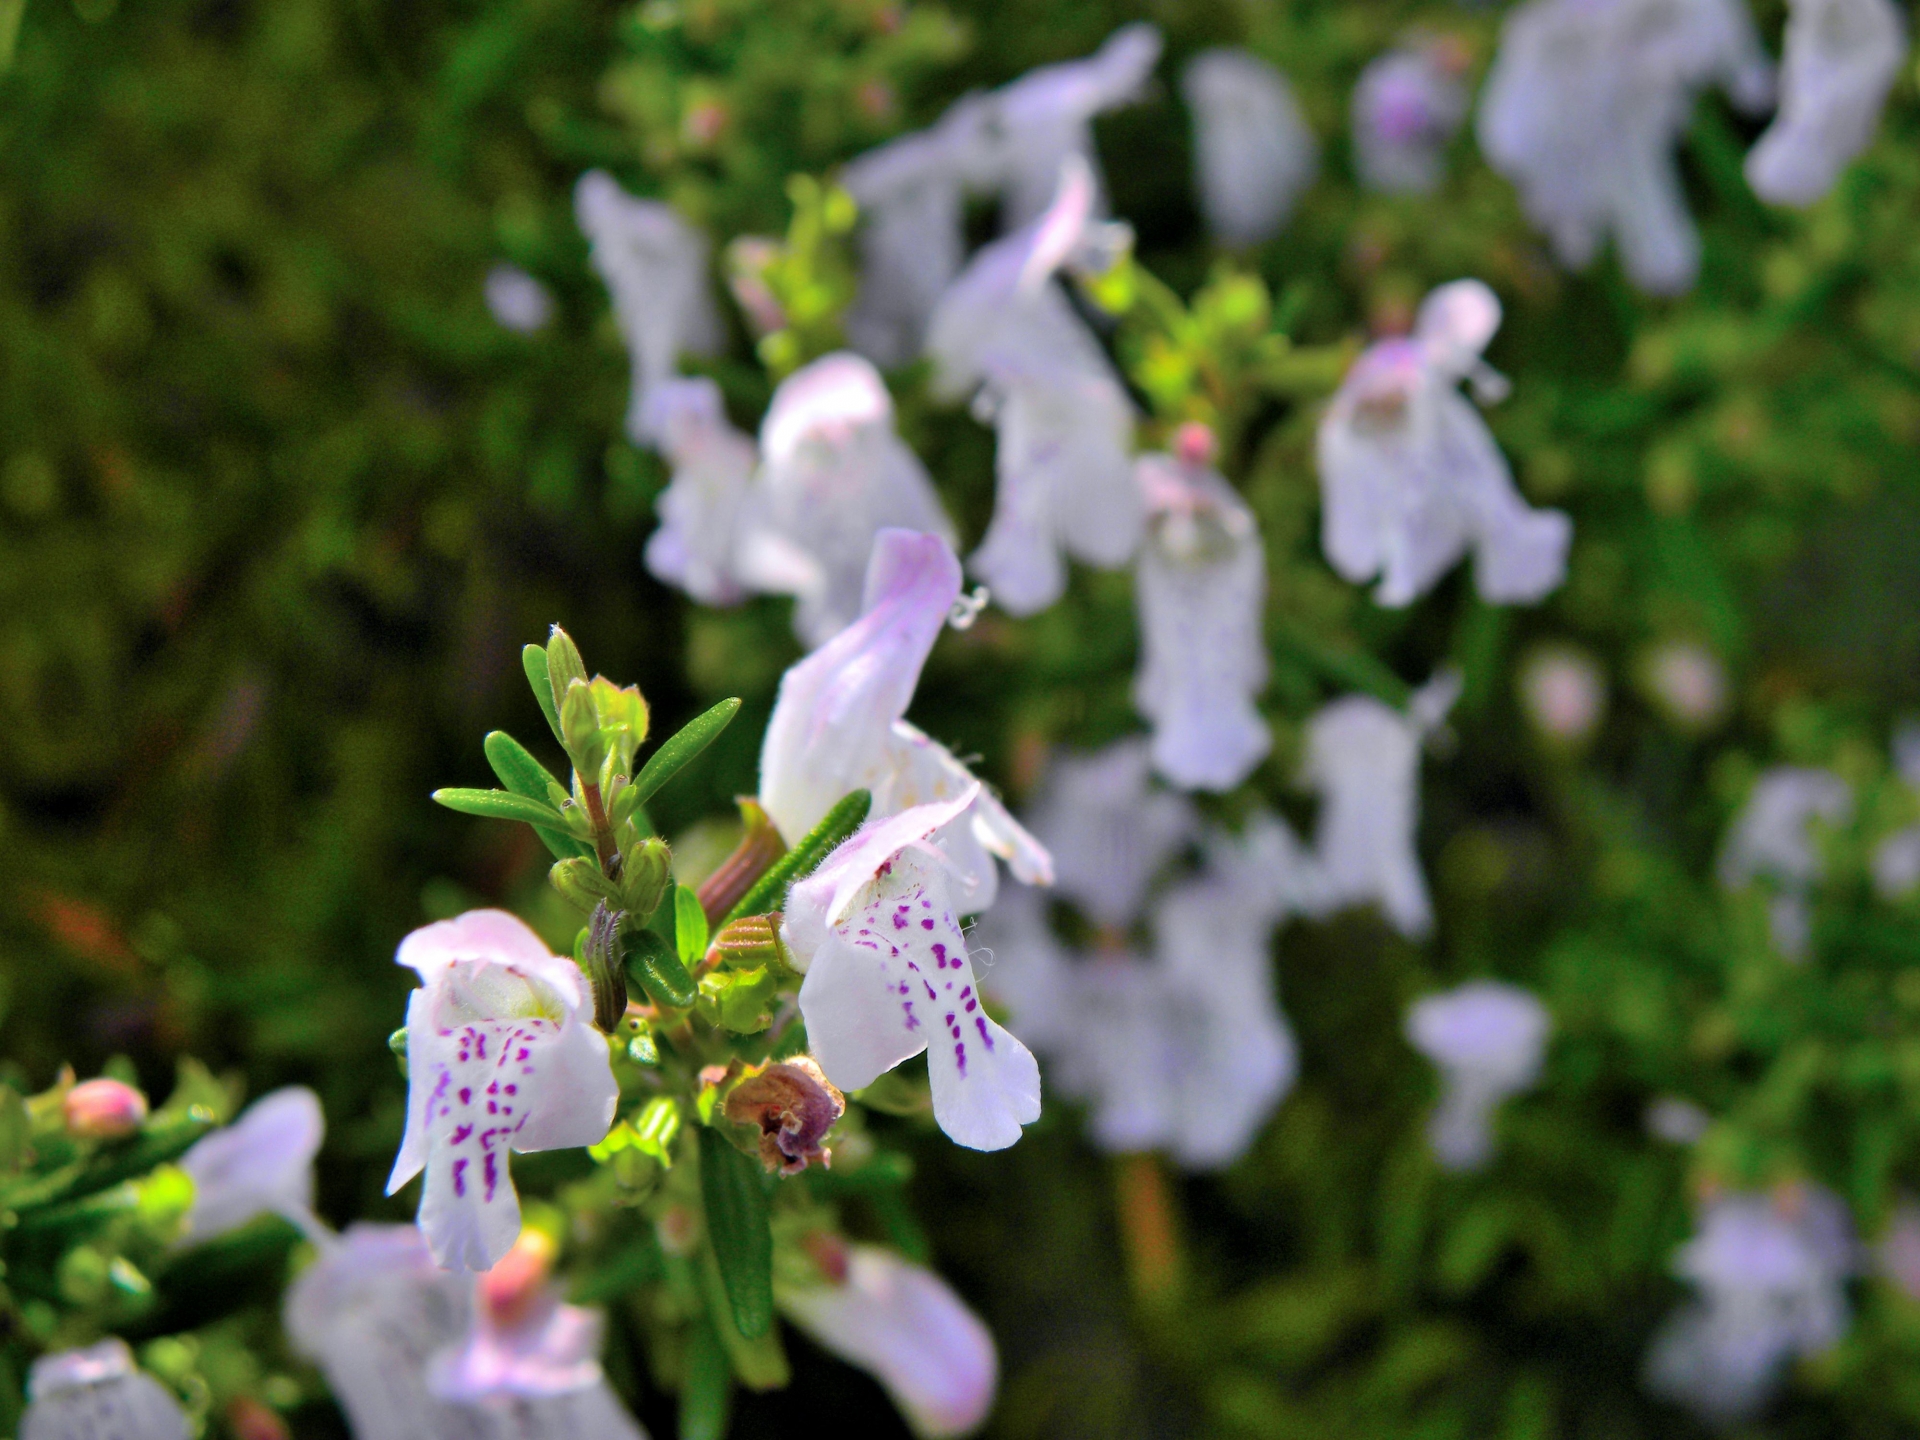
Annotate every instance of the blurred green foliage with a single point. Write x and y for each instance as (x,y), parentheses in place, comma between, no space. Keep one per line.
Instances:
(279,502)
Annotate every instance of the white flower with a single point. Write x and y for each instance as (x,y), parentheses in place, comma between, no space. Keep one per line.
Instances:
(371,1312)
(518,301)
(907,1328)
(1688,682)
(1253,153)
(1410,480)
(523,1343)
(1772,839)
(1186,1050)
(1839,60)
(1488,1040)
(1584,105)
(260,1164)
(1563,693)
(888,975)
(97,1394)
(1005,335)
(1108,831)
(1771,1281)
(1045,118)
(1677,1121)
(1200,584)
(713,465)
(912,196)
(833,475)
(501,1055)
(655,266)
(1407,106)
(1363,758)
(837,727)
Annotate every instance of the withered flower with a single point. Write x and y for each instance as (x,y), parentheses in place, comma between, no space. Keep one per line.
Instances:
(794,1105)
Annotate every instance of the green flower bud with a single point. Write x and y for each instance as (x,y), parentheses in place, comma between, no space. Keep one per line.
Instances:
(738,1000)
(643,876)
(751,942)
(582,884)
(564,665)
(580,728)
(605,968)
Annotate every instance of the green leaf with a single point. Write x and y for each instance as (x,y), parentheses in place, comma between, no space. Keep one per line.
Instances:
(533,659)
(657,970)
(524,775)
(680,747)
(689,926)
(15,1127)
(740,1231)
(769,892)
(499,805)
(707,1388)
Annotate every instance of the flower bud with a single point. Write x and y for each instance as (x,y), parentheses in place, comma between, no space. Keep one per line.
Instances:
(580,730)
(739,1000)
(643,876)
(582,883)
(605,969)
(248,1419)
(1564,694)
(759,847)
(104,1110)
(794,1106)
(564,665)
(514,1287)
(750,943)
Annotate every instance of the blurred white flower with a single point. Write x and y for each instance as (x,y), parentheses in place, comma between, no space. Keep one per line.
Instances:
(1582,110)
(1772,839)
(1770,1277)
(1363,757)
(912,196)
(1563,693)
(1677,1121)
(1108,830)
(1185,1049)
(1896,859)
(1407,106)
(833,474)
(655,267)
(501,1055)
(1044,118)
(260,1164)
(888,976)
(1839,60)
(837,726)
(1688,682)
(1253,153)
(1200,584)
(97,1394)
(903,1325)
(1488,1040)
(517,301)
(700,510)
(1410,480)
(1006,336)
(522,1342)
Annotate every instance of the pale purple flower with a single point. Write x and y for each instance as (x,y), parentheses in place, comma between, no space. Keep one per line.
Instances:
(517,301)
(1200,585)
(371,1312)
(1563,693)
(553,1350)
(98,1394)
(1896,859)
(1584,106)
(700,510)
(1253,153)
(912,196)
(1363,757)
(1839,60)
(1044,118)
(1688,681)
(1184,1049)
(1108,830)
(1897,1256)
(833,474)
(1410,480)
(1488,1040)
(260,1164)
(655,267)
(502,1055)
(1407,106)
(1005,335)
(903,1325)
(837,727)
(888,976)
(1770,1279)
(1772,839)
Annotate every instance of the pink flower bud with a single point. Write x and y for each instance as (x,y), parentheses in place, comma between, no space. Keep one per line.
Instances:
(510,1291)
(104,1110)
(1564,694)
